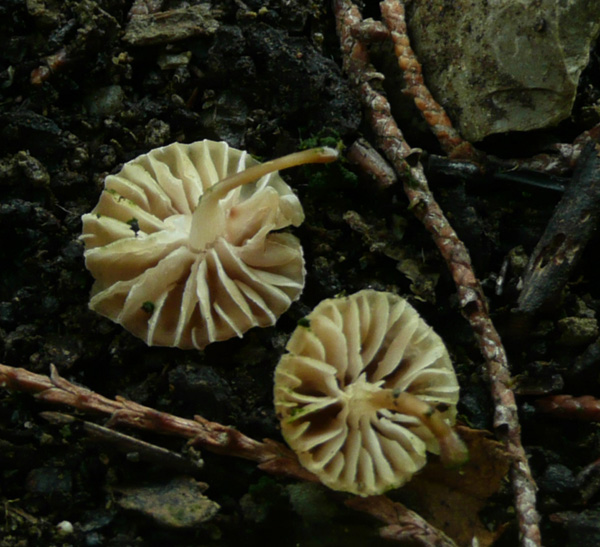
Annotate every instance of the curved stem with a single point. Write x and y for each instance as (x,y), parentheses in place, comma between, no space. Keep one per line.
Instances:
(208,220)
(453,451)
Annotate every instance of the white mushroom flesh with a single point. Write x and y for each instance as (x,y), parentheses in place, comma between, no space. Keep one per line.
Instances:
(327,386)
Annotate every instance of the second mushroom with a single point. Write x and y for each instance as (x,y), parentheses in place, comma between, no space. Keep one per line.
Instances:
(365,389)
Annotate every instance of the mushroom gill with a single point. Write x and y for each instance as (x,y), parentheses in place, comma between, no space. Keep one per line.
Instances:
(182,245)
(365,389)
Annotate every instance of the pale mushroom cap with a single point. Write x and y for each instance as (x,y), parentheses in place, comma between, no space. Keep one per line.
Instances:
(349,349)
(151,279)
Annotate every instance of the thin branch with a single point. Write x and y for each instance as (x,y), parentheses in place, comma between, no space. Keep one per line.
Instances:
(270,455)
(566,236)
(548,169)
(584,408)
(402,524)
(130,445)
(471,298)
(452,143)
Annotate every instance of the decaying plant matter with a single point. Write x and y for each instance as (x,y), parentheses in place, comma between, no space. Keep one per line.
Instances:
(471,298)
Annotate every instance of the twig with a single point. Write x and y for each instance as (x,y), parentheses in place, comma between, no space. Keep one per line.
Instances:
(472,301)
(548,169)
(452,143)
(495,169)
(362,154)
(142,450)
(270,455)
(403,525)
(585,408)
(572,224)
(559,160)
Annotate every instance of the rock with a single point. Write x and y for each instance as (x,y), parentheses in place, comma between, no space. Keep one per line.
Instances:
(105,101)
(179,503)
(557,480)
(508,65)
(49,480)
(172,25)
(65,528)
(577,331)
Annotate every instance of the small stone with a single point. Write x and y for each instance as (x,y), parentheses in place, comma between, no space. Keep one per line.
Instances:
(557,479)
(49,480)
(179,503)
(170,61)
(33,170)
(46,14)
(65,528)
(584,529)
(577,331)
(105,101)
(158,133)
(171,26)
(505,65)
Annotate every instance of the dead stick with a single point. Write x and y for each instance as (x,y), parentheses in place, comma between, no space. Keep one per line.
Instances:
(402,524)
(128,444)
(471,298)
(559,249)
(585,408)
(452,143)
(271,456)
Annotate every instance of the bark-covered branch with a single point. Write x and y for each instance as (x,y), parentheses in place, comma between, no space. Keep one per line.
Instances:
(472,301)
(271,456)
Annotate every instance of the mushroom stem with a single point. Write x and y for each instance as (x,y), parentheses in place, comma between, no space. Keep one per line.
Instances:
(209,217)
(453,451)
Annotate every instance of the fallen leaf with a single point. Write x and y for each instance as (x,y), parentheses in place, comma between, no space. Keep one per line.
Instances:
(451,499)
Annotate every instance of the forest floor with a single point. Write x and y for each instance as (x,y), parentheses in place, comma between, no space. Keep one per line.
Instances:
(83,90)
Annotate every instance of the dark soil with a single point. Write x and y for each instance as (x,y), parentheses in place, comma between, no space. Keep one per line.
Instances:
(76,102)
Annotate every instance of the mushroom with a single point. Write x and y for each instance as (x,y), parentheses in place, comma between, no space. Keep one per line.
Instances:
(182,246)
(365,389)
